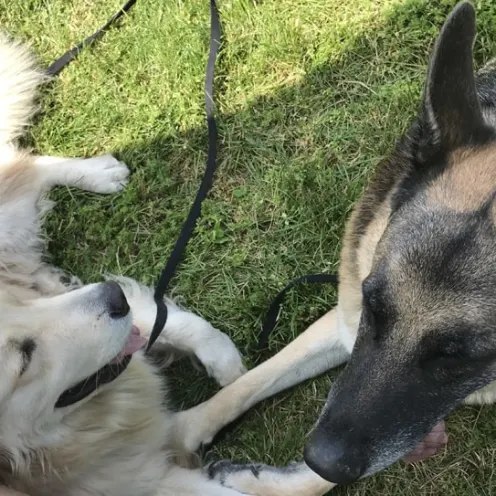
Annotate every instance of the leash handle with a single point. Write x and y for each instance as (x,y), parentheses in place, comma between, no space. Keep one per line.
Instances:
(179,249)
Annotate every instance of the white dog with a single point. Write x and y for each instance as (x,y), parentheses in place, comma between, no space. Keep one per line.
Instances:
(82,411)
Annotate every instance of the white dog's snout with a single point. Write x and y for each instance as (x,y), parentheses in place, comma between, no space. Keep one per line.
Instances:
(115,300)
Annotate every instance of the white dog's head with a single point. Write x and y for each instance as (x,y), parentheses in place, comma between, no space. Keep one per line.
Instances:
(51,349)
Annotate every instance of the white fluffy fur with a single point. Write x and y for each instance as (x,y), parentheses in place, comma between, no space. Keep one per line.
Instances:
(122,440)
(19,79)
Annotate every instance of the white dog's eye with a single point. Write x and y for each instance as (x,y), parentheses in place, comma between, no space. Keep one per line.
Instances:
(26,348)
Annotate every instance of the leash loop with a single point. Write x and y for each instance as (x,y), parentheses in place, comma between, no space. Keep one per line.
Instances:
(274,310)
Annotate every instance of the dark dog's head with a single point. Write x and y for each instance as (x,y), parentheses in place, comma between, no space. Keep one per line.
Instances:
(427,334)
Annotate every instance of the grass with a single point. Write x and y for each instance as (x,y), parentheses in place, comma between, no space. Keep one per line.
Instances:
(311,95)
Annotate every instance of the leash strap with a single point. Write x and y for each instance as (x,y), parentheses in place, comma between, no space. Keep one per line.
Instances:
(63,61)
(175,258)
(270,321)
(180,247)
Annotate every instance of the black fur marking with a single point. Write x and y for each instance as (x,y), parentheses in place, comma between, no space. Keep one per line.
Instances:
(65,279)
(255,471)
(428,163)
(221,469)
(27,348)
(218,470)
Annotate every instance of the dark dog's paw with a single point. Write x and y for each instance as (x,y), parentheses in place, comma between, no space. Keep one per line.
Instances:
(223,469)
(233,475)
(260,479)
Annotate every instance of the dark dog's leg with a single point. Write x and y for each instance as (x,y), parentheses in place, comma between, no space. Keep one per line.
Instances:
(484,396)
(264,480)
(183,482)
(316,350)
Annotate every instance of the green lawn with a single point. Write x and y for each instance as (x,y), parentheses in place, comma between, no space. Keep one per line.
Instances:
(312,94)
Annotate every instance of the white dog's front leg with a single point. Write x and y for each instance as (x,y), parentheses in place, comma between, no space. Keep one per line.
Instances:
(185,332)
(103,174)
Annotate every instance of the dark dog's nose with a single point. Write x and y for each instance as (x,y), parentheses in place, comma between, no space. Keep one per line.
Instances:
(115,300)
(329,460)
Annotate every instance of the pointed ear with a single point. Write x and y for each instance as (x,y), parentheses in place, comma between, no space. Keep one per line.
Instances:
(450,98)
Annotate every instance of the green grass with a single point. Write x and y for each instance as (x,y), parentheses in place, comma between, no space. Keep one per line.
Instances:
(311,95)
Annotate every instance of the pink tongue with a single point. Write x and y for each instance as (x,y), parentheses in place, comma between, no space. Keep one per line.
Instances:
(431,444)
(134,343)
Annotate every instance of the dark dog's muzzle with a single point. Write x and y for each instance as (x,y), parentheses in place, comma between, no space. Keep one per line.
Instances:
(329,459)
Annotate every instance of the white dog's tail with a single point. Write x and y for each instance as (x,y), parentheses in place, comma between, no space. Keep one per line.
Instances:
(19,78)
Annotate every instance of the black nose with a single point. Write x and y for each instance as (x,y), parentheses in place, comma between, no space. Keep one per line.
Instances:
(115,300)
(328,459)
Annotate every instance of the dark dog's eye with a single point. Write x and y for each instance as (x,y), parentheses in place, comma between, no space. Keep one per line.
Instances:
(372,294)
(374,307)
(26,348)
(455,350)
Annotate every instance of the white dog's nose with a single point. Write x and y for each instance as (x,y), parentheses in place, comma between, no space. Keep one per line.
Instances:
(115,300)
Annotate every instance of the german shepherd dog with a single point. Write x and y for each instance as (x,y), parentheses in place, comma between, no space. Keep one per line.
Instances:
(416,315)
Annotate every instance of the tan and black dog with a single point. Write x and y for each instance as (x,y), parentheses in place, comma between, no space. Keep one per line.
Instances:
(416,318)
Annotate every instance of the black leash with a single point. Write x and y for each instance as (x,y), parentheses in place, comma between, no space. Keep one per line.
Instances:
(71,54)
(106,374)
(186,231)
(270,320)
(206,182)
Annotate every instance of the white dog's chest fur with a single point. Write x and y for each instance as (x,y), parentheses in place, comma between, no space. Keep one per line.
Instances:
(124,452)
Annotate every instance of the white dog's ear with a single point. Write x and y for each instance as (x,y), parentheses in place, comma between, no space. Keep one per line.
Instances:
(450,98)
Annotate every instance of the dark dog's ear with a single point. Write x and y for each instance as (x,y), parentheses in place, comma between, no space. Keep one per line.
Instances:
(450,99)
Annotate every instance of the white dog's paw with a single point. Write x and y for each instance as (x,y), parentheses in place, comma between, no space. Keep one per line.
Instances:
(105,174)
(221,359)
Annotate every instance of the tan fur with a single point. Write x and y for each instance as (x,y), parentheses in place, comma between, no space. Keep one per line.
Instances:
(357,256)
(468,182)
(17,177)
